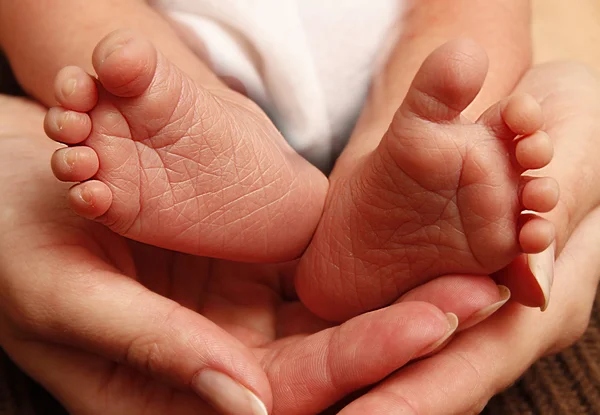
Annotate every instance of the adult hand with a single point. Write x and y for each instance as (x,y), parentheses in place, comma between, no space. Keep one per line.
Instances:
(102,322)
(484,360)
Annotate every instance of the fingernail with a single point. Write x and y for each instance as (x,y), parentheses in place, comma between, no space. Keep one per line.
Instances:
(112,49)
(226,395)
(69,87)
(485,312)
(452,325)
(542,268)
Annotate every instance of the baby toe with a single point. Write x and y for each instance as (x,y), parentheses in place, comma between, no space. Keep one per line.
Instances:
(540,194)
(536,234)
(65,126)
(75,89)
(522,114)
(91,199)
(534,151)
(513,116)
(447,82)
(125,63)
(74,164)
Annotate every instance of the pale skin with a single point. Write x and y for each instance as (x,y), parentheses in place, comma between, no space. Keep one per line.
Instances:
(256,385)
(427,27)
(506,49)
(439,195)
(481,358)
(210,217)
(42,357)
(290,183)
(265,338)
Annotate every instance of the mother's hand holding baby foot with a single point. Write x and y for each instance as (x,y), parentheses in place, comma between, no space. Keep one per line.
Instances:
(484,360)
(102,323)
(73,305)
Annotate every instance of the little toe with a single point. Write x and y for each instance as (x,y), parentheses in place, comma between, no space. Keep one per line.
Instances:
(65,126)
(534,151)
(90,199)
(74,164)
(536,234)
(75,89)
(540,194)
(448,81)
(522,114)
(125,63)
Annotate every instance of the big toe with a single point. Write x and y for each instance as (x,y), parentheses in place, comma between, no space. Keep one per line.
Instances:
(125,63)
(448,81)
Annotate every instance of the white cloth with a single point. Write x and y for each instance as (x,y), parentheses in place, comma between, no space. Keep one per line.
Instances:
(308,63)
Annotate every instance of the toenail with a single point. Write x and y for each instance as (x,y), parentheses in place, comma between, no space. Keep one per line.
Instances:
(62,119)
(112,49)
(71,157)
(69,87)
(59,122)
(86,196)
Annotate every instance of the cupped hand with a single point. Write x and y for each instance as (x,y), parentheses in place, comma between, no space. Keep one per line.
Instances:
(486,359)
(112,326)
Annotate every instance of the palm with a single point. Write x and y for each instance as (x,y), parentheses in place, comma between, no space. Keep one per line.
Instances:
(249,301)
(71,288)
(63,248)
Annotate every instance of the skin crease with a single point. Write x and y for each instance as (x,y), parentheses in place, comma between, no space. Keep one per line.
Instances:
(438,195)
(502,28)
(209,175)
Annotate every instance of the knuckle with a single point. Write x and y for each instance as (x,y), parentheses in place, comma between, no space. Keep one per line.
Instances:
(150,351)
(145,353)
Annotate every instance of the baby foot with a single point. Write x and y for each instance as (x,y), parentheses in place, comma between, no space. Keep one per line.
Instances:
(440,194)
(168,163)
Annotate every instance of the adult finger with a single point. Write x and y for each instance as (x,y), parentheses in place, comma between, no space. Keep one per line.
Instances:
(75,299)
(88,384)
(472,298)
(311,373)
(56,285)
(486,359)
(301,361)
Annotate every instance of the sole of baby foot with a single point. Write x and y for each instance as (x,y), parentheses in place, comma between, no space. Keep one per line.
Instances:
(165,162)
(439,195)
